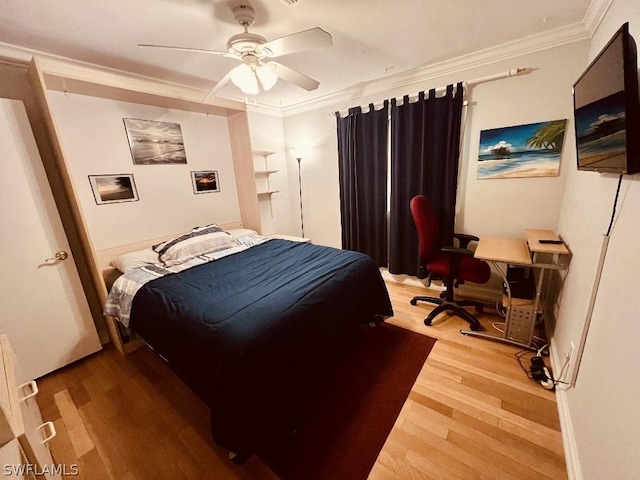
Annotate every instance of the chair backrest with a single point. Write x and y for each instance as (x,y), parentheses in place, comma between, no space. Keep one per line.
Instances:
(427,226)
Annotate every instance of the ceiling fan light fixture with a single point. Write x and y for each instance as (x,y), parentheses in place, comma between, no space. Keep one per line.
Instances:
(245,79)
(257,73)
(267,77)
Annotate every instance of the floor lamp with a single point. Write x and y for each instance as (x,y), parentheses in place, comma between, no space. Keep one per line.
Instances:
(299,159)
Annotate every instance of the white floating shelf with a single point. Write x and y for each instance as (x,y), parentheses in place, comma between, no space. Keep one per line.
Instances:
(268,192)
(263,153)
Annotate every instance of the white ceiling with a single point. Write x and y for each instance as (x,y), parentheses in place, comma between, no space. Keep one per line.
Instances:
(371,38)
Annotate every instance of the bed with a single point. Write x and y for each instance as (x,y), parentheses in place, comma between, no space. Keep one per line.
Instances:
(248,331)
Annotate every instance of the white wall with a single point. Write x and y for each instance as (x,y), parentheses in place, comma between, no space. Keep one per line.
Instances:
(267,134)
(505,207)
(486,207)
(602,418)
(314,135)
(93,136)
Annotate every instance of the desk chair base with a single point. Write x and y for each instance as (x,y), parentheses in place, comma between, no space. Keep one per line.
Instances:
(455,307)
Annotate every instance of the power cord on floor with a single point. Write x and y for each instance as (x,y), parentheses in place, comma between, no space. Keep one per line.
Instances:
(538,371)
(496,327)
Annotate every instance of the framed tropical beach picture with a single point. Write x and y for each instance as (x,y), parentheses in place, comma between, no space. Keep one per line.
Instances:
(155,143)
(530,150)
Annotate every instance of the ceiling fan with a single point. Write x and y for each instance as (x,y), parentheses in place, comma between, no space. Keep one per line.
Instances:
(257,71)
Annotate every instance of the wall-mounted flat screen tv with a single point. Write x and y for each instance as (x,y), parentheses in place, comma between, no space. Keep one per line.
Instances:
(607,109)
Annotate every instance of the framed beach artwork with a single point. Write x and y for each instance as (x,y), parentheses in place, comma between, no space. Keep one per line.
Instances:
(530,150)
(155,143)
(113,188)
(205,181)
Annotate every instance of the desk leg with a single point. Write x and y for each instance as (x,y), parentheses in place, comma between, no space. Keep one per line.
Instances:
(505,282)
(536,303)
(503,338)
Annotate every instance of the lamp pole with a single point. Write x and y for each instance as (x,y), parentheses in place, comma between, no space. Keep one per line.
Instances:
(299,159)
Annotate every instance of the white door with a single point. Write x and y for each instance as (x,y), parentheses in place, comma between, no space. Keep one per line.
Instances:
(43,309)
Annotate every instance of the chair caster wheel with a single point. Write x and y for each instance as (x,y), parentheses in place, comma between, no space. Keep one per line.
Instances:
(474,327)
(427,322)
(413,302)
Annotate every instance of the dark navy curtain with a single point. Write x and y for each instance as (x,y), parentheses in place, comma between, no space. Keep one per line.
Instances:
(425,145)
(362,154)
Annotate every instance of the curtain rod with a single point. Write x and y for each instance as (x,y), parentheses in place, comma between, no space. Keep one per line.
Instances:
(497,76)
(489,78)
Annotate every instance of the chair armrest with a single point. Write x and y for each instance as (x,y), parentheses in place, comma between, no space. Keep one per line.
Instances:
(458,252)
(465,239)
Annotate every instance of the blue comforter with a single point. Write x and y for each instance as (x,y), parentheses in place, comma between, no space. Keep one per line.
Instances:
(248,331)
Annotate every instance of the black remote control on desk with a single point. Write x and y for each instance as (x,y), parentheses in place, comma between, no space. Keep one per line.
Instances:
(553,242)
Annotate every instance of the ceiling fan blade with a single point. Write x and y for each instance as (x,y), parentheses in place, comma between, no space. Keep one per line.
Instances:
(212,93)
(187,49)
(297,42)
(292,76)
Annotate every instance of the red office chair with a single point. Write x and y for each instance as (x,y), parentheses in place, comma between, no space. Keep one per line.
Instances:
(453,265)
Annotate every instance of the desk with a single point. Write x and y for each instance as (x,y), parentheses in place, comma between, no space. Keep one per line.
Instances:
(519,320)
(504,250)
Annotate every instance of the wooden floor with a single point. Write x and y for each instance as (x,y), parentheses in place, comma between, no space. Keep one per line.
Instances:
(472,414)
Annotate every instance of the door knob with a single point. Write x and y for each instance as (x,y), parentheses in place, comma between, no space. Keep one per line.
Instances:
(58,257)
(61,255)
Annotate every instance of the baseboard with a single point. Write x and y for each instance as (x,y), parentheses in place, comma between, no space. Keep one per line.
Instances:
(574,472)
(408,280)
(467,290)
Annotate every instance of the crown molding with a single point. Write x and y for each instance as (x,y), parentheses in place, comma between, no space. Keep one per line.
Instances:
(263,109)
(595,13)
(16,53)
(63,73)
(62,67)
(355,94)
(414,77)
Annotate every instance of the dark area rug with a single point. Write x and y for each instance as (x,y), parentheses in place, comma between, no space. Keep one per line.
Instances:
(353,407)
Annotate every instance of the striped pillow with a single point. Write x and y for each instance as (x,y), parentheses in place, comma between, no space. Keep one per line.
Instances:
(199,241)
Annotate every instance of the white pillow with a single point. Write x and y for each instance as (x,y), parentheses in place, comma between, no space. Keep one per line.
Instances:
(209,228)
(135,259)
(199,241)
(241,232)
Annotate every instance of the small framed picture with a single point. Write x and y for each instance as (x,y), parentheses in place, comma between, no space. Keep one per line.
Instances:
(205,181)
(113,188)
